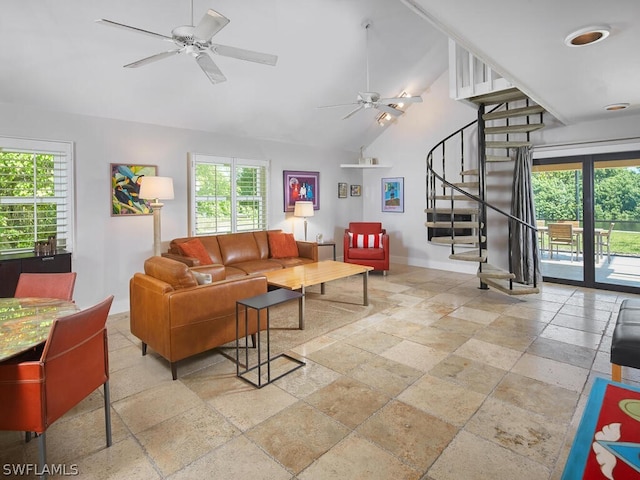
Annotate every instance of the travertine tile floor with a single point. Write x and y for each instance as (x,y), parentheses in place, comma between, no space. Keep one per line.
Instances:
(435,380)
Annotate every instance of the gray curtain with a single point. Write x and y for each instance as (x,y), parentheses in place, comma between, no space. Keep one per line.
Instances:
(524,242)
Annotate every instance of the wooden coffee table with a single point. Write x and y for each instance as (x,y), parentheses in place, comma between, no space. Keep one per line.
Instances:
(302,276)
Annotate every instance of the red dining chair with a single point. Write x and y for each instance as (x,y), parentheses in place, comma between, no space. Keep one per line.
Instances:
(40,386)
(46,285)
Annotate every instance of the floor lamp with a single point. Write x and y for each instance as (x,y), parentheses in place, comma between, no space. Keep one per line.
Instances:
(156,189)
(303,209)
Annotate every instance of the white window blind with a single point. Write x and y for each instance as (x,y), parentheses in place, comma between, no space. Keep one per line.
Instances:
(35,194)
(227,195)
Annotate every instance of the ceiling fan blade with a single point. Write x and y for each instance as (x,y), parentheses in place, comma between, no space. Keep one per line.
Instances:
(339,105)
(210,24)
(133,29)
(398,100)
(152,58)
(210,69)
(353,112)
(242,54)
(388,109)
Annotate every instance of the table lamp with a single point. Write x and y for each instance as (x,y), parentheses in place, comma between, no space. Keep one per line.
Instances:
(155,189)
(303,209)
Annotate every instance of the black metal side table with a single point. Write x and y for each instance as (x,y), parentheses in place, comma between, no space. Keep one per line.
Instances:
(258,303)
(329,244)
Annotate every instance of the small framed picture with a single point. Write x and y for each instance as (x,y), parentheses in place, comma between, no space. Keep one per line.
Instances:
(342,190)
(393,194)
(356,190)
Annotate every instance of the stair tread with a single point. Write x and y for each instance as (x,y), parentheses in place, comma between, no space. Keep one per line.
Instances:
(471,256)
(459,224)
(515,112)
(466,184)
(463,210)
(491,271)
(473,171)
(457,240)
(524,128)
(517,288)
(498,158)
(507,144)
(508,95)
(455,197)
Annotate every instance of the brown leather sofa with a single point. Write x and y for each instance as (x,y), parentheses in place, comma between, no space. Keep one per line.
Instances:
(178,318)
(239,254)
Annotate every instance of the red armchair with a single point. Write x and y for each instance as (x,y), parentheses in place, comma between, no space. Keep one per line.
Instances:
(367,243)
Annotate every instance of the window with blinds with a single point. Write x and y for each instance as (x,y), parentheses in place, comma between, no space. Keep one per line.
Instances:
(35,194)
(227,195)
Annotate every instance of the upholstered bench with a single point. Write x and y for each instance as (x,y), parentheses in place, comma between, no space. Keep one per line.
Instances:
(625,346)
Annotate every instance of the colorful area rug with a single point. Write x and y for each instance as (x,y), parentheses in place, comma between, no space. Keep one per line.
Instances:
(607,444)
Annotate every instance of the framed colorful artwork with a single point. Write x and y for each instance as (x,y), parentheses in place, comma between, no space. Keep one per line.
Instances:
(125,186)
(355,190)
(301,186)
(393,194)
(342,190)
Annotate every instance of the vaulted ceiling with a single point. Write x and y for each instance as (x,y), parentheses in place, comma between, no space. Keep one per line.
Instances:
(54,56)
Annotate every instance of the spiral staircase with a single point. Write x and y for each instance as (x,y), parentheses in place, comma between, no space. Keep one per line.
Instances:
(459,187)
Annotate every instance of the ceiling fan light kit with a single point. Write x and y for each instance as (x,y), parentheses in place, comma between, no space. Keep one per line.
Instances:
(368,99)
(195,41)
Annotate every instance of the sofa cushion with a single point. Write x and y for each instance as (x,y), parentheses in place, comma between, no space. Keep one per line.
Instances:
(257,266)
(233,272)
(366,253)
(361,240)
(194,248)
(175,273)
(282,245)
(238,248)
(263,242)
(292,261)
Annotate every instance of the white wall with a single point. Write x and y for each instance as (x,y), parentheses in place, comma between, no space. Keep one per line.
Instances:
(405,146)
(109,250)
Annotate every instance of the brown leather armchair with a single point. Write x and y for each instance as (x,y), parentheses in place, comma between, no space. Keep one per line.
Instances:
(38,387)
(178,318)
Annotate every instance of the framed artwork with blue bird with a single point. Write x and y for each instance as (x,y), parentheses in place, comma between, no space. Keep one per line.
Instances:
(125,189)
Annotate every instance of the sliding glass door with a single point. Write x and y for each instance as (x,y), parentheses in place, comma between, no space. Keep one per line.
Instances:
(588,210)
(617,221)
(558,191)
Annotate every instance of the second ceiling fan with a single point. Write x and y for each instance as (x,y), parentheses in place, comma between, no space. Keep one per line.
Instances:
(369,99)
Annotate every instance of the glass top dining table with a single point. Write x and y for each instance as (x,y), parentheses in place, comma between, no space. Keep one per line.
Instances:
(25,322)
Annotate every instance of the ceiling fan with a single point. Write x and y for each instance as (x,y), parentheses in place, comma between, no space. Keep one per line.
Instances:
(371,99)
(196,41)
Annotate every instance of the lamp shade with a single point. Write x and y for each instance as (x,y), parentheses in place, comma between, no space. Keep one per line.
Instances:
(303,209)
(156,188)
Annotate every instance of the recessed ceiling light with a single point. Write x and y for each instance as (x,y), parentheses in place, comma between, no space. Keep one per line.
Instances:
(616,106)
(587,36)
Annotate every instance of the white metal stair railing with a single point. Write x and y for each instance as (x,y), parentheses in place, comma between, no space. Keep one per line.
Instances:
(457,206)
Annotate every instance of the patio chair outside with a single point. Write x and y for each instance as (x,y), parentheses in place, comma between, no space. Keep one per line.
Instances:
(605,241)
(561,234)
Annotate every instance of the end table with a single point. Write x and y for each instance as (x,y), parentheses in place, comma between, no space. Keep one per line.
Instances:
(258,303)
